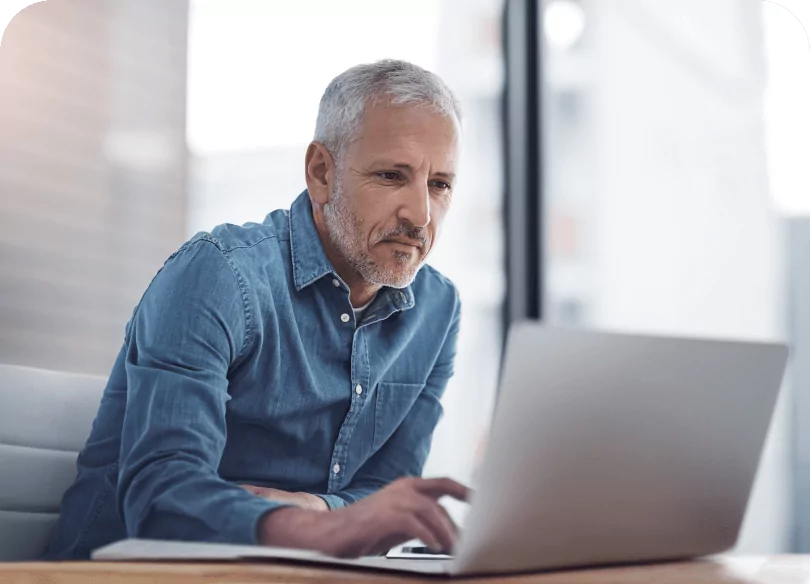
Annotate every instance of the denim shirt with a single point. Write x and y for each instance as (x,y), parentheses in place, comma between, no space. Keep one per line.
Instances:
(243,364)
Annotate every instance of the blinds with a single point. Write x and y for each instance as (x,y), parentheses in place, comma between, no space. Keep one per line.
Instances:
(92,172)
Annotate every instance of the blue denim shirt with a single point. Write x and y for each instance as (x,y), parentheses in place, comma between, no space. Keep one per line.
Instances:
(243,363)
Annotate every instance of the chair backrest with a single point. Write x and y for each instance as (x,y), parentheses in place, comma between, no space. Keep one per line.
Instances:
(45,418)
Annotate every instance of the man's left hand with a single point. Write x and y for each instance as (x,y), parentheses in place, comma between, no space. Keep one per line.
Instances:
(303,500)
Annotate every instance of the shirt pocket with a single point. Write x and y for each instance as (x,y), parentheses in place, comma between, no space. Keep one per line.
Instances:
(394,401)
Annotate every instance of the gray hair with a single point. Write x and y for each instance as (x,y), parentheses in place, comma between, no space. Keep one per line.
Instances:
(342,107)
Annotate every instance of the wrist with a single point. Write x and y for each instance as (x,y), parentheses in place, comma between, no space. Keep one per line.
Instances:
(293,527)
(278,526)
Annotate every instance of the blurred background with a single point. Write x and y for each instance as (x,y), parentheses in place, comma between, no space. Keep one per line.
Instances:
(629,165)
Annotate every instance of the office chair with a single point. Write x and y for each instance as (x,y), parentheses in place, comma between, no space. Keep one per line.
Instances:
(45,418)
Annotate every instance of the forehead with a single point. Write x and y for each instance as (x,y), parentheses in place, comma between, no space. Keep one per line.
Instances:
(414,134)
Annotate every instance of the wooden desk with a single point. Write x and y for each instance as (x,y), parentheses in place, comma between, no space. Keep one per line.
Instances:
(739,570)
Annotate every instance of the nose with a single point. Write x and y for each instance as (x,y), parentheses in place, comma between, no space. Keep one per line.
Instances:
(415,208)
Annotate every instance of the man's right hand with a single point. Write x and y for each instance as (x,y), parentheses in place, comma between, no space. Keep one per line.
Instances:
(406,509)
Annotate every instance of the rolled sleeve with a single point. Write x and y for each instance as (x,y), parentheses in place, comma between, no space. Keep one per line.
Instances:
(333,501)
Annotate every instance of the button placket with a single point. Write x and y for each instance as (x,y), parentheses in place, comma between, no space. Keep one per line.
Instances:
(341,450)
(358,380)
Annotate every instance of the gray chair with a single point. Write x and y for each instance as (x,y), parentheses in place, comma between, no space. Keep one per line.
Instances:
(45,418)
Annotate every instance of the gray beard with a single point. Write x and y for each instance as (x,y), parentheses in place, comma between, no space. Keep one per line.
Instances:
(344,229)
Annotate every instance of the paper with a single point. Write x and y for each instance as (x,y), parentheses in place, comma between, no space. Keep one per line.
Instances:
(159,550)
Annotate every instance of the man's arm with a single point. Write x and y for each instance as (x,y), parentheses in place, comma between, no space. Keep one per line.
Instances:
(404,454)
(188,329)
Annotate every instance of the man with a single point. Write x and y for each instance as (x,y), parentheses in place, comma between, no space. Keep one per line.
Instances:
(279,383)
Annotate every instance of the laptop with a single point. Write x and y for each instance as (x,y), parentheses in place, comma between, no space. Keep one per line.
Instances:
(605,448)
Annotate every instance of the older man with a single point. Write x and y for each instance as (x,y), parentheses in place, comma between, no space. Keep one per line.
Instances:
(279,383)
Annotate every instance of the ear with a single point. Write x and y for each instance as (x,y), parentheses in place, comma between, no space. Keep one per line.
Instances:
(320,173)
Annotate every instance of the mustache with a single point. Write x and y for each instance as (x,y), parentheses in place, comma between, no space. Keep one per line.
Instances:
(415,234)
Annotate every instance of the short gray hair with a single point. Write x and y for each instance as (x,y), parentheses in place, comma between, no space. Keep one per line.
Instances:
(342,107)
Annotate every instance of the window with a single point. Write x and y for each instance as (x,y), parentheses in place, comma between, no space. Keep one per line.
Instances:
(787,130)
(659,205)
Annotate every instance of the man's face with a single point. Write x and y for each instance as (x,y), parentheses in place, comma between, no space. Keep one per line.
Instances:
(391,192)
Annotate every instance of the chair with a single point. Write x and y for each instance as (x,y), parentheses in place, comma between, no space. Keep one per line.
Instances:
(45,418)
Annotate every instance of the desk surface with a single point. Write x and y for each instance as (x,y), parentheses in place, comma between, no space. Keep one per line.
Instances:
(737,570)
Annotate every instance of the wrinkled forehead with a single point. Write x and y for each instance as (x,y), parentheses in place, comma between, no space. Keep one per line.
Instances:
(414,135)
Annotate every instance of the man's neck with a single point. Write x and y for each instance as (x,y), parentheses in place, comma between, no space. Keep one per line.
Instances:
(360,291)
(361,295)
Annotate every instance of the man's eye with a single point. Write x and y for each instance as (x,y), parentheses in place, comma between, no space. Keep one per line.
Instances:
(388,175)
(440,184)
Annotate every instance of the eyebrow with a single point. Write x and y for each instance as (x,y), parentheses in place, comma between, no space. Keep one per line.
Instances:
(405,166)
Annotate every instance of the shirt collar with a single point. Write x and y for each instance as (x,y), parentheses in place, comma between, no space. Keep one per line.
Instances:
(309,261)
(401,299)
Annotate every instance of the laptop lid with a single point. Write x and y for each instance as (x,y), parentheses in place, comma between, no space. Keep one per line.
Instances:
(611,448)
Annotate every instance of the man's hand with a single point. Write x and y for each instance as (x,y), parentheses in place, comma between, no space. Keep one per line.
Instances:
(303,500)
(405,509)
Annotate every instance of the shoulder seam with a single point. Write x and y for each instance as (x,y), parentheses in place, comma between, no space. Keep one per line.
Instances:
(241,284)
(245,245)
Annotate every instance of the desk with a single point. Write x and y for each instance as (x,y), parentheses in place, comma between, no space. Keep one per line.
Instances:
(738,570)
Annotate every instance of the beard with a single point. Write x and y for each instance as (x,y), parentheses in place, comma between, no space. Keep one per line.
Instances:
(346,233)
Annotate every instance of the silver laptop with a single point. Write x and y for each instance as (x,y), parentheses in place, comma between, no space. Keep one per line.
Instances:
(605,448)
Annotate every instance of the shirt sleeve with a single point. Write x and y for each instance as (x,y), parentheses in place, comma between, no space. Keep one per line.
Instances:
(191,325)
(404,454)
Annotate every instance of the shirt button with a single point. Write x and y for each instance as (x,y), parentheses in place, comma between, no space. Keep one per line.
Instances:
(344,317)
(336,469)
(359,389)
(336,283)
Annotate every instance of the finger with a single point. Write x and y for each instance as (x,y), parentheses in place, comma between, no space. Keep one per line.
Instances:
(412,527)
(438,521)
(407,527)
(450,521)
(436,488)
